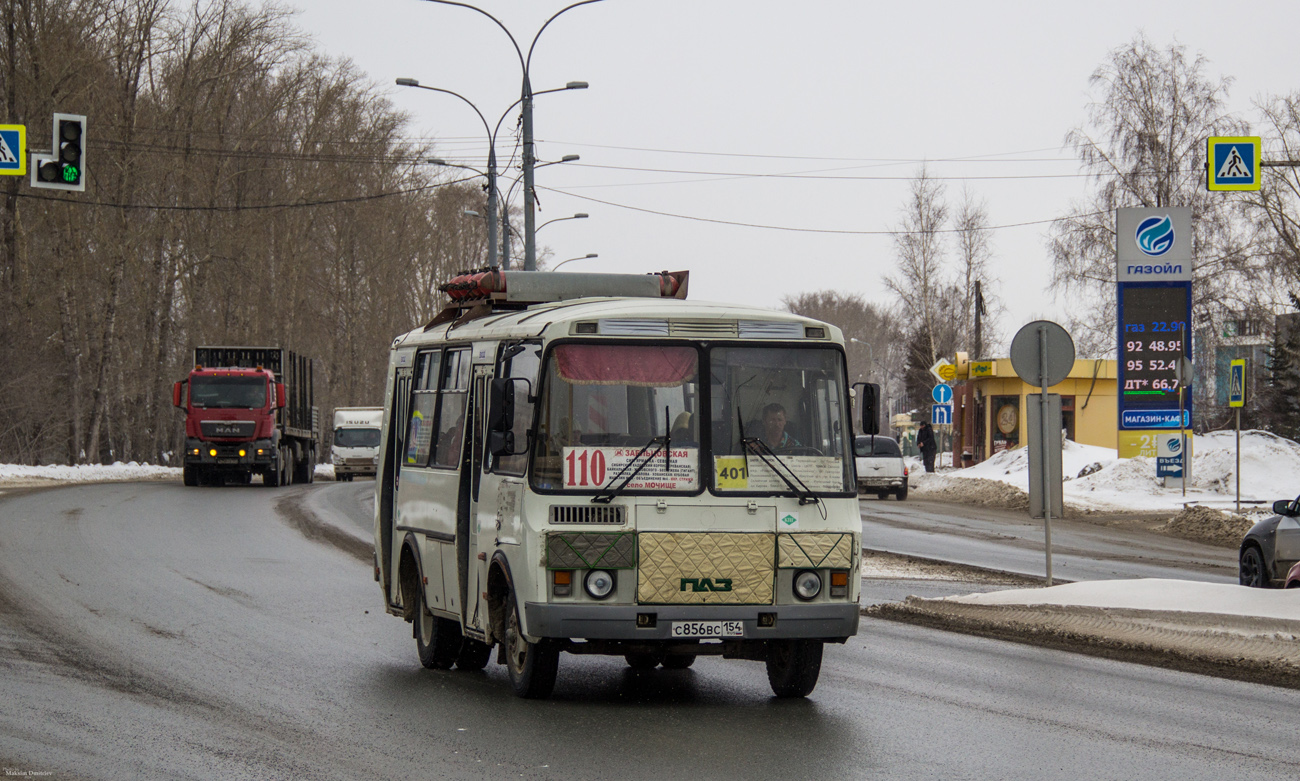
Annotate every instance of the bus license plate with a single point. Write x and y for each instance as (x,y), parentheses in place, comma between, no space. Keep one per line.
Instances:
(708,629)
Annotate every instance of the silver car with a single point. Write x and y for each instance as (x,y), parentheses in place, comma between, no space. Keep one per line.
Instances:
(1271,547)
(880,466)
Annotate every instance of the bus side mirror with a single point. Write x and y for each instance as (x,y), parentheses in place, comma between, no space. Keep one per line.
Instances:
(501,416)
(178,398)
(868,404)
(280,402)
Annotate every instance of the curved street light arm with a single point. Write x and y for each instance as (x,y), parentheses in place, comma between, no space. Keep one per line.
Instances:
(572,259)
(491,166)
(518,52)
(578,216)
(533,45)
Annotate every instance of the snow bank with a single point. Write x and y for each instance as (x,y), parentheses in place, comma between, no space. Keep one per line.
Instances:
(86,473)
(1097,479)
(1152,594)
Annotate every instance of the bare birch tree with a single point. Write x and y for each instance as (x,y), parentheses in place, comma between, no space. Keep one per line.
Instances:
(1143,147)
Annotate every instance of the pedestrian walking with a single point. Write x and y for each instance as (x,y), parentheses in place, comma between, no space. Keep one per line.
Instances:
(925,441)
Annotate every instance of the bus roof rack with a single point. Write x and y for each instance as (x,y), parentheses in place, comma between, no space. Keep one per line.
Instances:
(477,293)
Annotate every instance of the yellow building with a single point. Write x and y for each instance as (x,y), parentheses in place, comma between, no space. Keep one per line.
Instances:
(989,409)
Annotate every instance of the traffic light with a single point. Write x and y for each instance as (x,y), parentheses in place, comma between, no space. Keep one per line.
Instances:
(65,167)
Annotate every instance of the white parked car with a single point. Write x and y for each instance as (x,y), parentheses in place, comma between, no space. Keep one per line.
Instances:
(880,466)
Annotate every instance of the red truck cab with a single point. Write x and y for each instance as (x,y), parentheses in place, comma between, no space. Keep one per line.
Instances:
(230,425)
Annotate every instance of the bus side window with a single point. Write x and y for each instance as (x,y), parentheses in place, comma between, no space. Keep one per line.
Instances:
(424,407)
(451,418)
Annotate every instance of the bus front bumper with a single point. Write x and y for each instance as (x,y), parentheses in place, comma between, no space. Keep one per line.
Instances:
(620,622)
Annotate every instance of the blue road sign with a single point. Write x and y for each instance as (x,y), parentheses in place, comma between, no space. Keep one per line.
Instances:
(13,150)
(941,414)
(942,393)
(1232,163)
(1237,383)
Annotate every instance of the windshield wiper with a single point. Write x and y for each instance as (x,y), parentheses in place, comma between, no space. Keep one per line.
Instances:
(763,450)
(607,495)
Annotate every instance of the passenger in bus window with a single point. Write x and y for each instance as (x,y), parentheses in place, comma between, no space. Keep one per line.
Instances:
(682,433)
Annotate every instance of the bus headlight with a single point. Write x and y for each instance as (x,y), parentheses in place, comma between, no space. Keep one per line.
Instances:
(599,583)
(807,584)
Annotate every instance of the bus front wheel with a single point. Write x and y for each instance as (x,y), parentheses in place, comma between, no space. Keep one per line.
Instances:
(532,666)
(793,666)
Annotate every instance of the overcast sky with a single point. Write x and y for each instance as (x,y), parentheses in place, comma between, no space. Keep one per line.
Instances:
(767,146)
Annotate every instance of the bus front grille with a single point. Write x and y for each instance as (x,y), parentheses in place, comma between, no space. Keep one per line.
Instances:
(613,515)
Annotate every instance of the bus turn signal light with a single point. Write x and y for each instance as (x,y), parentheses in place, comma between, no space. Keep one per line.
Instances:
(563,580)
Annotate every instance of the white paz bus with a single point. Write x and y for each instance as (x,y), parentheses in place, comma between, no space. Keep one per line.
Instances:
(591,464)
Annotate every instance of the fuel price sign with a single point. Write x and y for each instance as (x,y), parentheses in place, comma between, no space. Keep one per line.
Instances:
(1154,327)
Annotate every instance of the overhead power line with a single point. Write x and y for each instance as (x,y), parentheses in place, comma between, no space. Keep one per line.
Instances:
(792,229)
(242,207)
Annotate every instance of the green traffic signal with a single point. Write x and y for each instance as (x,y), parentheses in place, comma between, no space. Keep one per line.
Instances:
(71,174)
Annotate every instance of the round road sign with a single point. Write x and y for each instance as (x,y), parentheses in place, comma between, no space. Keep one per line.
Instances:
(1027,355)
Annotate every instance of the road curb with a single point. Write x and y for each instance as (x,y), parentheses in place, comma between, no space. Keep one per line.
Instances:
(1264,652)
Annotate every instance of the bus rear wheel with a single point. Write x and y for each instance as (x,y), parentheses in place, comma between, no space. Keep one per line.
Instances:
(793,666)
(437,640)
(532,666)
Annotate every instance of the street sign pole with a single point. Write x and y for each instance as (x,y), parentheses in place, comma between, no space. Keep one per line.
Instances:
(1237,400)
(1046,443)
(1042,353)
(1183,379)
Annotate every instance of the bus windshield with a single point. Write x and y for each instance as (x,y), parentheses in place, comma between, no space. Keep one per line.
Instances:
(775,416)
(778,410)
(608,407)
(228,392)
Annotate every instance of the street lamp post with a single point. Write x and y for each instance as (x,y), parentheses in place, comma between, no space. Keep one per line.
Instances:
(526,98)
(570,260)
(506,229)
(578,216)
(491,166)
(871,352)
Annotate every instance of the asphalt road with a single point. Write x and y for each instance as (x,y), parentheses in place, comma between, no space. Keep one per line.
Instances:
(153,631)
(1010,541)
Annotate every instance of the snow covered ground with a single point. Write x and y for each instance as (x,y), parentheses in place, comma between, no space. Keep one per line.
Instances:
(1097,480)
(15,476)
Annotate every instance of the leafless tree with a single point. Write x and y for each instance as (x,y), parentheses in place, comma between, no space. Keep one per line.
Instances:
(980,303)
(1143,146)
(874,345)
(242,189)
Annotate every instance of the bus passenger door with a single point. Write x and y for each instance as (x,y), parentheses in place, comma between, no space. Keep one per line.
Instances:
(471,521)
(399,410)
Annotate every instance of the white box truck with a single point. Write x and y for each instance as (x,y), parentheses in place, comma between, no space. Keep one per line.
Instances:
(356,441)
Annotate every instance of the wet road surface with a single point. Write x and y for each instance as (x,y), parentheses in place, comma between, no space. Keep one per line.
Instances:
(154,631)
(1011,541)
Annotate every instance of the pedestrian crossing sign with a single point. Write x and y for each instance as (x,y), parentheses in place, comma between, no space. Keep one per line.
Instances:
(13,150)
(1237,383)
(1232,163)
